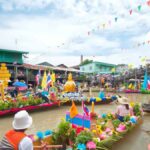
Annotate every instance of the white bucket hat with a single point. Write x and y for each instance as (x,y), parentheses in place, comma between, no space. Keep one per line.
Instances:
(22,120)
(123,100)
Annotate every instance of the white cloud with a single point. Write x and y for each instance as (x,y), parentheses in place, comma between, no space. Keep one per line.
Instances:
(60,27)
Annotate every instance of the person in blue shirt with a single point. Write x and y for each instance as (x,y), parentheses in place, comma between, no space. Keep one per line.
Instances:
(101,94)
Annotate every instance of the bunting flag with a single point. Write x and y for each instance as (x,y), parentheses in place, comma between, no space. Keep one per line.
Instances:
(109,22)
(73,110)
(130,12)
(116,19)
(148,3)
(103,25)
(139,8)
(44,81)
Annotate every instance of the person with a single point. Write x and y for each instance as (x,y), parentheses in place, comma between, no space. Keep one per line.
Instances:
(123,109)
(43,95)
(101,93)
(16,139)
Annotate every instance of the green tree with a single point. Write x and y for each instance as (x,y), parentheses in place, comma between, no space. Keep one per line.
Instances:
(86,61)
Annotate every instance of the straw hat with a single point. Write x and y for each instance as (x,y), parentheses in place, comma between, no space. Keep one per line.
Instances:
(123,100)
(22,120)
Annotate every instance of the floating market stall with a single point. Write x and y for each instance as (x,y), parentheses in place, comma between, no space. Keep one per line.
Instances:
(146,84)
(88,131)
(71,94)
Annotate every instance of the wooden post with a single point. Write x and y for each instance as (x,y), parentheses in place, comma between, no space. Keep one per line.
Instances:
(27,76)
(16,70)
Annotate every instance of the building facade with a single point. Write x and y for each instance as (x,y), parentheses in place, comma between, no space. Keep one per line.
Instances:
(97,68)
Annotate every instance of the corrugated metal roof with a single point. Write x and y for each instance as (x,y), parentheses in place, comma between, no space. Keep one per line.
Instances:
(13,51)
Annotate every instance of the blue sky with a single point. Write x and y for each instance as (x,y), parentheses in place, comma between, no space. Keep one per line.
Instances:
(59,31)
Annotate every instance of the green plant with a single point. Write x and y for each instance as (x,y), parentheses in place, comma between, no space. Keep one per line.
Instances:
(72,134)
(126,118)
(61,135)
(137,110)
(116,123)
(83,137)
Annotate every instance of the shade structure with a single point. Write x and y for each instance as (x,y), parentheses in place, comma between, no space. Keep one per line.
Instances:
(19,84)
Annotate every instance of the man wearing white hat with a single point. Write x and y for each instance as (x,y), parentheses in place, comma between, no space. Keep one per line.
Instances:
(16,139)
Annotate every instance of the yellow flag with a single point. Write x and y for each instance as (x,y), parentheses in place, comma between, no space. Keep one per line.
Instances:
(113,70)
(73,110)
(44,80)
(53,78)
(130,86)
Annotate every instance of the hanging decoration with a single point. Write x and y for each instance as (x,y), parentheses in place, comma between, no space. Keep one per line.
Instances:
(139,8)
(103,25)
(148,3)
(116,19)
(130,12)
(109,22)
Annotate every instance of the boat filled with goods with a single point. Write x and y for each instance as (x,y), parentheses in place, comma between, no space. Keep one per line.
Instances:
(89,130)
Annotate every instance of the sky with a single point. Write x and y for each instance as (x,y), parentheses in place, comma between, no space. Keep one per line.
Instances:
(60,31)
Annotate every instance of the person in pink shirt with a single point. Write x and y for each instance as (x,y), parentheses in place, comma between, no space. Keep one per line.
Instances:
(123,109)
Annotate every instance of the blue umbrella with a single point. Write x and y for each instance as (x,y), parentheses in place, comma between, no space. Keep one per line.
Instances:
(19,84)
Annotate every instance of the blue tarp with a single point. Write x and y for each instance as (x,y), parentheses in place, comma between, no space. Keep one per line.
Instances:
(19,84)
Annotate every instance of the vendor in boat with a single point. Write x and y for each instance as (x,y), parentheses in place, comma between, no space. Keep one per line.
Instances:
(123,109)
(44,95)
(101,93)
(16,139)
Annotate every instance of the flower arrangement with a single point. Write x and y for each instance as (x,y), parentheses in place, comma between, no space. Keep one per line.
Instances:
(20,102)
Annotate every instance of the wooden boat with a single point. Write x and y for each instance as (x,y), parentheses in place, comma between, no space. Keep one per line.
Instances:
(103,138)
(45,143)
(145,91)
(131,91)
(146,107)
(28,108)
(96,100)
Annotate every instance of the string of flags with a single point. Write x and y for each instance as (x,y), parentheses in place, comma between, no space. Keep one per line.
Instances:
(116,19)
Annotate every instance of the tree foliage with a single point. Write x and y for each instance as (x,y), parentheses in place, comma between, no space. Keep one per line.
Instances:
(86,61)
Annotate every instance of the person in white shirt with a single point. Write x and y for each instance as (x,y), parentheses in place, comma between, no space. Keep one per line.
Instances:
(123,109)
(16,139)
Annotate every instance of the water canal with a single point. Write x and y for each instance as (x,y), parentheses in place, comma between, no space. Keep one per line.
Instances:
(137,139)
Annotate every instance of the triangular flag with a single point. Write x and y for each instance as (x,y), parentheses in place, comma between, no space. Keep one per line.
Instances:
(103,25)
(148,3)
(139,8)
(130,12)
(73,110)
(116,19)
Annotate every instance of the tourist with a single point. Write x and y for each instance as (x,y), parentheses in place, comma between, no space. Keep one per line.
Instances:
(123,109)
(16,139)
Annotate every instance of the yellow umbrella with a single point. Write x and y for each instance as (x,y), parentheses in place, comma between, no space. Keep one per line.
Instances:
(44,80)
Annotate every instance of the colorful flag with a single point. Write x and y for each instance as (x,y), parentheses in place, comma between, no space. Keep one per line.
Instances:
(85,109)
(44,81)
(73,110)
(49,79)
(37,77)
